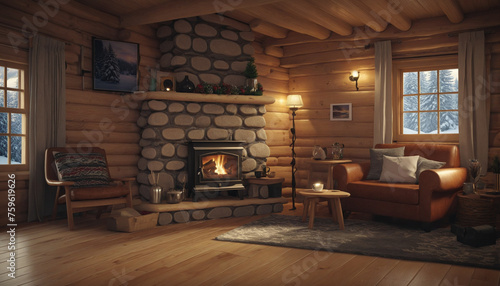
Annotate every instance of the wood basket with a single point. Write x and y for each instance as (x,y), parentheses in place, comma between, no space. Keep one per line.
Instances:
(474,211)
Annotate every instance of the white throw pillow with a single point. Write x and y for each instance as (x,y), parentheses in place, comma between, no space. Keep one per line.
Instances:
(399,169)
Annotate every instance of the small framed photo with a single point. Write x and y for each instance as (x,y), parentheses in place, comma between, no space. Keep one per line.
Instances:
(115,65)
(165,81)
(341,112)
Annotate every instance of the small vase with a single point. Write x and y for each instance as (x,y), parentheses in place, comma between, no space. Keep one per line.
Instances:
(318,153)
(185,85)
(155,194)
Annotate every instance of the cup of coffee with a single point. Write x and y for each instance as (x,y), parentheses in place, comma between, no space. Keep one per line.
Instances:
(258,174)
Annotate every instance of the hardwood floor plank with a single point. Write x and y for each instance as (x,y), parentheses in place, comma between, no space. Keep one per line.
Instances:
(430,274)
(401,274)
(485,277)
(458,275)
(374,272)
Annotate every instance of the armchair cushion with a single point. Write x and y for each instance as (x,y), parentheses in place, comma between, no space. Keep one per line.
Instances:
(376,156)
(85,169)
(399,169)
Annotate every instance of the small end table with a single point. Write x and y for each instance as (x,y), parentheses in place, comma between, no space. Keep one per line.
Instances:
(329,176)
(312,198)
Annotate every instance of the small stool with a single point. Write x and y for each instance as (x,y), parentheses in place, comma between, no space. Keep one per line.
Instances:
(312,198)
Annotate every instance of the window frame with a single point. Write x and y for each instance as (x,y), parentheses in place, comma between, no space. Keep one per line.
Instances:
(24,109)
(410,65)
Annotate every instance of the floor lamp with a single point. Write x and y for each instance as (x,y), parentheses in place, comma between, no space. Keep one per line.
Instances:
(294,102)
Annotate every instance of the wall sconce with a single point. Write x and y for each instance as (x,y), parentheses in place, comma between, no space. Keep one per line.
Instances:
(294,102)
(354,77)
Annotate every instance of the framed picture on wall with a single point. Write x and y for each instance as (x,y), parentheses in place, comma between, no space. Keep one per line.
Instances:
(115,65)
(341,112)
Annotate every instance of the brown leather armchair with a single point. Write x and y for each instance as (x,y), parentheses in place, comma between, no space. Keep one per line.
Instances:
(433,198)
(79,199)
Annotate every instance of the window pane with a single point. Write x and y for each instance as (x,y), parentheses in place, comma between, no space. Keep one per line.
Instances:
(448,122)
(16,150)
(3,150)
(2,76)
(428,81)
(12,99)
(4,122)
(410,123)
(448,80)
(448,101)
(410,103)
(16,122)
(2,98)
(410,83)
(428,123)
(12,78)
(428,102)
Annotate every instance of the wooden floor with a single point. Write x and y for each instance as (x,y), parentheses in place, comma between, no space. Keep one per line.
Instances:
(186,254)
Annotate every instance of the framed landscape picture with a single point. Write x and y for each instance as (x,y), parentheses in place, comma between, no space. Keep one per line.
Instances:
(341,112)
(115,65)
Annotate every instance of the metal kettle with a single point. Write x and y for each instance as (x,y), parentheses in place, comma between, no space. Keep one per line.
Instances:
(337,151)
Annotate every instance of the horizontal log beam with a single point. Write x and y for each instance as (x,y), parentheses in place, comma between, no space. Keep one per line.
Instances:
(268,29)
(452,10)
(178,9)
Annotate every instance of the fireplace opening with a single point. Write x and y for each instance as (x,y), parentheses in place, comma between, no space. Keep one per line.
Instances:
(214,166)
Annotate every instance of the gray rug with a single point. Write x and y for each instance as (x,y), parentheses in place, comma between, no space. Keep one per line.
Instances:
(366,238)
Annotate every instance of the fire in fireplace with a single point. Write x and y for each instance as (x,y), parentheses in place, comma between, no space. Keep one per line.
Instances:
(214,166)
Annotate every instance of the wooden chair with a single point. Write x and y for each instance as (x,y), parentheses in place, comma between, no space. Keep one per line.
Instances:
(80,199)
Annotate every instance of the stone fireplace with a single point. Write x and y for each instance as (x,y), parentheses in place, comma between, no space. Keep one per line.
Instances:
(170,124)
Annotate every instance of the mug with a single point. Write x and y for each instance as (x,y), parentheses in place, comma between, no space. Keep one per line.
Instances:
(265,171)
(258,174)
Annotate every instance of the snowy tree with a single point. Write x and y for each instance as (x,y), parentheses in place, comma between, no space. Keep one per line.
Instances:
(110,68)
(3,139)
(410,83)
(448,81)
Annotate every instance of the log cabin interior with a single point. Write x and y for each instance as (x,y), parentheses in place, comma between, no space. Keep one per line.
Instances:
(305,47)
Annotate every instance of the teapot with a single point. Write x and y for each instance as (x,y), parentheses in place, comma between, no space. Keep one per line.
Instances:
(338,151)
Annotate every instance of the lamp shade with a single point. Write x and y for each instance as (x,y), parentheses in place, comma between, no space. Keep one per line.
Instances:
(294,101)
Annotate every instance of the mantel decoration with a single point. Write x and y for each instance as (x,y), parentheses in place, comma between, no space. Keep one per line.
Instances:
(251,74)
(115,65)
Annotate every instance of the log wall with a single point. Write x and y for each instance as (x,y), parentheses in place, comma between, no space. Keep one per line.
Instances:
(105,119)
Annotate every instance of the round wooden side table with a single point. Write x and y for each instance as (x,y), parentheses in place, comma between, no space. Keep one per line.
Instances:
(475,210)
(312,198)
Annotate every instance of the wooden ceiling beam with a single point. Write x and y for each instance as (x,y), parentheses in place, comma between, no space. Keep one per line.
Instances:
(178,9)
(452,10)
(268,29)
(356,9)
(391,13)
(225,21)
(317,15)
(293,38)
(288,21)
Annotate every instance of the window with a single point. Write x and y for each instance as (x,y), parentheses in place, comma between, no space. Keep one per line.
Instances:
(13,116)
(426,105)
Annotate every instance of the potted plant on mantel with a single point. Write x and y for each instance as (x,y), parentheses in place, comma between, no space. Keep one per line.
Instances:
(251,74)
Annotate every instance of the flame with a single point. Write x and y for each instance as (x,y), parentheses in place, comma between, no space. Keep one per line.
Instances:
(219,164)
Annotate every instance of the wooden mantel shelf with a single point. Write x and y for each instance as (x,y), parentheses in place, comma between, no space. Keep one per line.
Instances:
(199,97)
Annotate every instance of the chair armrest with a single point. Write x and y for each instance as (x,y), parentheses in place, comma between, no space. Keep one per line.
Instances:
(59,183)
(443,180)
(344,174)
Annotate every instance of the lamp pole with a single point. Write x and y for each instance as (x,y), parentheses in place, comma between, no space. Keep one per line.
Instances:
(294,137)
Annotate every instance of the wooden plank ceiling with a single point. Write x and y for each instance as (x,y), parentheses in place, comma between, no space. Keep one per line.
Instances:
(286,19)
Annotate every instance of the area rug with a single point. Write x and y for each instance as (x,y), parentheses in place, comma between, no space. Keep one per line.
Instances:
(372,238)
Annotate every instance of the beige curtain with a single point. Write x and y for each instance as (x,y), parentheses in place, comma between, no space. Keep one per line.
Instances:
(474,110)
(47,126)
(383,95)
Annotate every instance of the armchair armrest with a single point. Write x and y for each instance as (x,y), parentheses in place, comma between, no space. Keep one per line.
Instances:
(55,183)
(443,180)
(343,174)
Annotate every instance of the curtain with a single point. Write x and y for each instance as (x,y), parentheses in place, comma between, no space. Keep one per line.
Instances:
(47,123)
(383,95)
(473,99)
